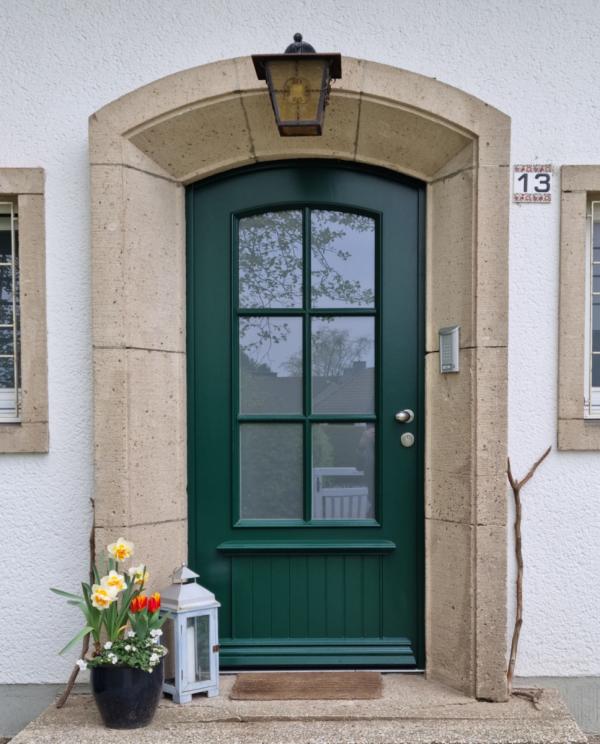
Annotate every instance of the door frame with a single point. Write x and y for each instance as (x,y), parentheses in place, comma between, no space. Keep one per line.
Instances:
(142,155)
(194,508)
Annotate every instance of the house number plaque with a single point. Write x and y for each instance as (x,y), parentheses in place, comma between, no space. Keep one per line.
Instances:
(532,184)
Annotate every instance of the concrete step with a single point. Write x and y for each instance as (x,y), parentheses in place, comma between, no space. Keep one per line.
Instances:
(411,711)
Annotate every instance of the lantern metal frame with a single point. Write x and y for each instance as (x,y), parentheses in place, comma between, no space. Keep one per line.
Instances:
(183,600)
(300,52)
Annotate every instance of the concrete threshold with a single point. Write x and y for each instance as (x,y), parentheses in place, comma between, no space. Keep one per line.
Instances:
(411,711)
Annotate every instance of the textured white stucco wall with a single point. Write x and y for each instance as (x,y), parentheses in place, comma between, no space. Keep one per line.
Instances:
(62,60)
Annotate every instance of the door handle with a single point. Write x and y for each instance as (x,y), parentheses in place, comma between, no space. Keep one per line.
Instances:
(405,416)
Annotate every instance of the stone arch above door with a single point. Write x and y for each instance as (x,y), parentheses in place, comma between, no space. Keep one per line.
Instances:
(144,148)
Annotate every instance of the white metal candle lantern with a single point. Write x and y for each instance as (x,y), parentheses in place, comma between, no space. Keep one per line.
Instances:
(192,636)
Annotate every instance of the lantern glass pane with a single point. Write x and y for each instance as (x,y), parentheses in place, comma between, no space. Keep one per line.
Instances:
(297,87)
(197,650)
(168,640)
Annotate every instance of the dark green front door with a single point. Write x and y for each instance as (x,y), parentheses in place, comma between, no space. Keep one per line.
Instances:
(304,340)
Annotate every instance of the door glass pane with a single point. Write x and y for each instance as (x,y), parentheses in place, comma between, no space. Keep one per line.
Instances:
(343,259)
(270,365)
(343,471)
(270,260)
(271,465)
(343,362)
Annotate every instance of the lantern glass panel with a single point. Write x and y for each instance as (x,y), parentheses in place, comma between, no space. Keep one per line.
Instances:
(197,650)
(297,87)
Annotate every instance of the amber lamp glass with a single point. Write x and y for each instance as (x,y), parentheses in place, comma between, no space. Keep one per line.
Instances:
(299,82)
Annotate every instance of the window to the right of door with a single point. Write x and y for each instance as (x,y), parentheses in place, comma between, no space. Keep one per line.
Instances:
(592,313)
(10,396)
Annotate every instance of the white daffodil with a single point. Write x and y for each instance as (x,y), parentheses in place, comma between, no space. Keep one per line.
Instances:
(108,645)
(138,574)
(121,549)
(103,596)
(114,581)
(82,664)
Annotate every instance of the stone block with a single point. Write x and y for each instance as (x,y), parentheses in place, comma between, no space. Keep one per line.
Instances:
(140,435)
(450,438)
(450,604)
(24,437)
(160,98)
(161,546)
(109,147)
(491,258)
(572,305)
(450,255)
(21,181)
(338,139)
(579,434)
(393,137)
(32,261)
(580,178)
(491,613)
(138,241)
(199,141)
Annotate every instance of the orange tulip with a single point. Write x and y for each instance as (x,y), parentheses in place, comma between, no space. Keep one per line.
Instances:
(154,602)
(138,603)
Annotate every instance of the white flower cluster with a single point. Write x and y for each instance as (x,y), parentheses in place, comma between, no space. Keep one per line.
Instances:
(155,634)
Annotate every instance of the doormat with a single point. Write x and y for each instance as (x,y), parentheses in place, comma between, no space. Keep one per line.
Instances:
(308,686)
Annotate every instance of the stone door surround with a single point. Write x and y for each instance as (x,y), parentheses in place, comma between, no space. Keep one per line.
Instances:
(144,148)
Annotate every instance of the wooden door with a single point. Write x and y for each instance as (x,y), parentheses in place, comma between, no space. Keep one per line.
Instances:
(305,338)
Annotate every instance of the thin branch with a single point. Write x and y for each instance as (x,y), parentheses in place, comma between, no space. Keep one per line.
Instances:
(86,641)
(516,486)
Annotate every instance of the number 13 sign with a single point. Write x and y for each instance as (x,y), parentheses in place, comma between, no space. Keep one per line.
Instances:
(532,184)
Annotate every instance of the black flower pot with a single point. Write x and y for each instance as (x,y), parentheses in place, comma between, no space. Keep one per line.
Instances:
(127,698)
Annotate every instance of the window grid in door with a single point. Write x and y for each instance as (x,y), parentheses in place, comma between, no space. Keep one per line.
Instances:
(302,312)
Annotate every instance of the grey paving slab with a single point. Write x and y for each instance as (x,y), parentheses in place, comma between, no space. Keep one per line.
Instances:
(411,711)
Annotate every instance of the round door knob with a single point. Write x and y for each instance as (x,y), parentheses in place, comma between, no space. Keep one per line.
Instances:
(405,416)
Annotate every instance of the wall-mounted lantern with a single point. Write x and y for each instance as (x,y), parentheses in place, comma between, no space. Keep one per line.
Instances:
(192,636)
(299,83)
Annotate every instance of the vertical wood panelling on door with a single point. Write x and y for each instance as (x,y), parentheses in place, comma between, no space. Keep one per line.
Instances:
(306,596)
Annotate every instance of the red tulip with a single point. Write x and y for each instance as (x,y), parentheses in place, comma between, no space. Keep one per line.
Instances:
(154,602)
(138,603)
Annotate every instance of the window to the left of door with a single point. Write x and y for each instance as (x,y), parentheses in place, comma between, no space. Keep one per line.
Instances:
(10,371)
(23,342)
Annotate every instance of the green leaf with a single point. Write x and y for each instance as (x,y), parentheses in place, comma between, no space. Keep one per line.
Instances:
(162,620)
(68,595)
(82,633)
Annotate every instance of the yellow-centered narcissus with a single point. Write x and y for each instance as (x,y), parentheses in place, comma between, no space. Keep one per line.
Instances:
(138,574)
(114,581)
(121,550)
(103,596)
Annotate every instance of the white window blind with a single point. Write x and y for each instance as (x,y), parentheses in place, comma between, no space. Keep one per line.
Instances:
(9,314)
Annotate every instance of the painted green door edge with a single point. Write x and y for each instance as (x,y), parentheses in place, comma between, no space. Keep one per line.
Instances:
(261,540)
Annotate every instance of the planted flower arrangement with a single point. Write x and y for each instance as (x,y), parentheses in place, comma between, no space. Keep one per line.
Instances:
(124,625)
